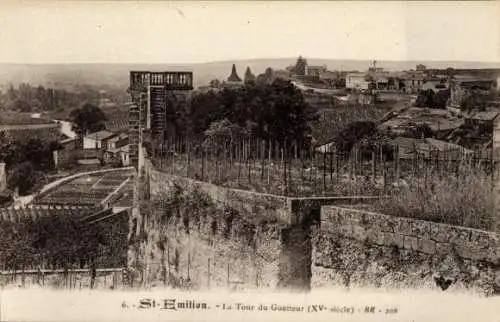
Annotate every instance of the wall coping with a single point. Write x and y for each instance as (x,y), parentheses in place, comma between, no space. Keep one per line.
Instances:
(293,205)
(412,219)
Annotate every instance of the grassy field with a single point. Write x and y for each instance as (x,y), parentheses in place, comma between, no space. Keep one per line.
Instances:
(452,199)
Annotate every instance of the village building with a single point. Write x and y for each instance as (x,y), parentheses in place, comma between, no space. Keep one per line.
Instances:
(481,123)
(413,81)
(117,125)
(117,141)
(121,154)
(463,85)
(357,81)
(315,70)
(409,148)
(97,140)
(442,122)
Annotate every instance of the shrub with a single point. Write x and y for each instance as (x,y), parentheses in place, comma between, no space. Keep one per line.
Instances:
(456,200)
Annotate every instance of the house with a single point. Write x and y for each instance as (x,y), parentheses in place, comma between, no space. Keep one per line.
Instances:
(117,125)
(463,85)
(118,141)
(441,122)
(315,70)
(434,85)
(357,81)
(487,117)
(413,81)
(430,148)
(483,123)
(97,140)
(121,153)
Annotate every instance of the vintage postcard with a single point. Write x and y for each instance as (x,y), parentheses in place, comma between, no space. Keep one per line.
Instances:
(243,161)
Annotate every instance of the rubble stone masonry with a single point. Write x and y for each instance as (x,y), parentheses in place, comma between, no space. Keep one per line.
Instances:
(353,247)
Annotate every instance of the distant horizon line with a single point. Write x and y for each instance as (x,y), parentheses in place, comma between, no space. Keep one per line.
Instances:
(380,61)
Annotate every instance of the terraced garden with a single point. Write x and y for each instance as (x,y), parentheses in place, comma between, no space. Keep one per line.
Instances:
(86,190)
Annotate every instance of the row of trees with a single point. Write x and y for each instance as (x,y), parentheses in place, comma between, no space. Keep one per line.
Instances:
(27,98)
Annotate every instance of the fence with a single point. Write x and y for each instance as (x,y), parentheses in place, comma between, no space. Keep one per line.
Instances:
(109,278)
(292,169)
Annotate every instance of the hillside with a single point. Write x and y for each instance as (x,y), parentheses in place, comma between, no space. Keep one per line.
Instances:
(116,75)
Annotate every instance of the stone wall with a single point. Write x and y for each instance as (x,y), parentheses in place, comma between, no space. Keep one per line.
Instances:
(354,247)
(216,238)
(267,245)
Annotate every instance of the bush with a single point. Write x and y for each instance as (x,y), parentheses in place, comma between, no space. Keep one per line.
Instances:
(353,133)
(23,177)
(463,201)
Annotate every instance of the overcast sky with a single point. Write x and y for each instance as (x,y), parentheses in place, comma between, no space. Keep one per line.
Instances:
(189,32)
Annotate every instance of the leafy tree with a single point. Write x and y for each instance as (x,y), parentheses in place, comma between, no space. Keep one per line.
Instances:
(223,132)
(421,68)
(22,106)
(276,111)
(22,176)
(419,131)
(353,133)
(88,118)
(474,101)
(429,98)
(35,150)
(267,77)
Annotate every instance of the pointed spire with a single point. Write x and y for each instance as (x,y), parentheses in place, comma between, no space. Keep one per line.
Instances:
(234,75)
(249,76)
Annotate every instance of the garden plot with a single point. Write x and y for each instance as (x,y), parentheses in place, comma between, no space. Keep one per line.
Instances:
(86,190)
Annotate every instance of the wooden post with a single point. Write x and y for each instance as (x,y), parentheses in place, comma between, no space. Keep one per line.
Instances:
(262,161)
(168,261)
(208,274)
(337,167)
(219,161)
(355,171)
(315,167)
(331,165)
(270,148)
(324,172)
(202,163)
(397,163)
(249,161)
(188,158)
(349,172)
(239,161)
(384,174)
(283,169)
(374,173)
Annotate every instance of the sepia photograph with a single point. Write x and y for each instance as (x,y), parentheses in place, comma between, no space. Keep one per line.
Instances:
(253,160)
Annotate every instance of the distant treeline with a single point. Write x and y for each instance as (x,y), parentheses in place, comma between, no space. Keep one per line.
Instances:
(28,98)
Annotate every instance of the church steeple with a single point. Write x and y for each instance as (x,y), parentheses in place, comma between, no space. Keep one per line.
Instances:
(234,75)
(249,76)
